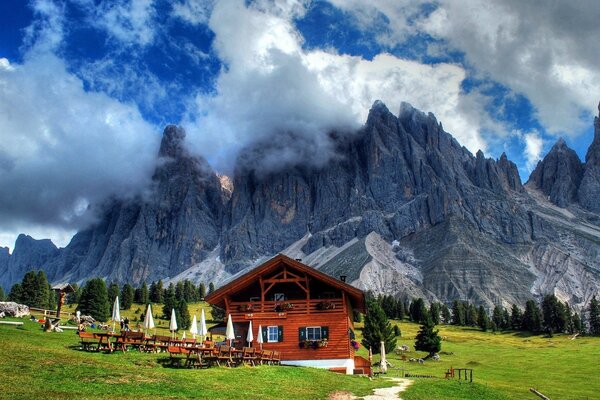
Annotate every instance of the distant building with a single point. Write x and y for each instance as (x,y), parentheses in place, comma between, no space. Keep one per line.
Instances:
(305,314)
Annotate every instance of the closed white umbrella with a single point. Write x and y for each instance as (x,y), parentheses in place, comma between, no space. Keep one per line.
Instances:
(148,319)
(203,331)
(116,314)
(194,327)
(259,338)
(229,333)
(250,337)
(173,323)
(383,362)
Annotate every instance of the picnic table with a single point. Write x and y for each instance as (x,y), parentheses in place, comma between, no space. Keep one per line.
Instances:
(104,342)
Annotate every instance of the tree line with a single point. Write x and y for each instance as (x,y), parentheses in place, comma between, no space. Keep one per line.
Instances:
(96,299)
(550,316)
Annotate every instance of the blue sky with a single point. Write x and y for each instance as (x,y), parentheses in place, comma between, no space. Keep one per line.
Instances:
(86,86)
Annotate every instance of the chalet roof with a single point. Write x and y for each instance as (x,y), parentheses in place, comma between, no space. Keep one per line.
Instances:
(217,297)
(64,287)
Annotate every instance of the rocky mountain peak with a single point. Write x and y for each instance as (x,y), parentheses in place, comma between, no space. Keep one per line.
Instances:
(589,191)
(593,154)
(172,144)
(558,175)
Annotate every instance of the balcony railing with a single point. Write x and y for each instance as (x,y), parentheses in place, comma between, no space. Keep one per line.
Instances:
(281,309)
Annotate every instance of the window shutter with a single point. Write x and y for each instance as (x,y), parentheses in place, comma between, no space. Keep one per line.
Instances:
(280,333)
(302,333)
(324,332)
(265,334)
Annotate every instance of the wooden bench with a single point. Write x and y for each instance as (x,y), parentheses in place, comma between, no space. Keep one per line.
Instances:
(249,356)
(224,356)
(276,359)
(265,357)
(177,354)
(134,339)
(89,341)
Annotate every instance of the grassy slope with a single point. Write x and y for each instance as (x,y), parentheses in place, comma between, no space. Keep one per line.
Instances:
(34,364)
(505,365)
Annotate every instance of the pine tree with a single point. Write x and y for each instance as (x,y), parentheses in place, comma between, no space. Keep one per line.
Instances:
(417,312)
(127,294)
(156,292)
(113,292)
(218,314)
(554,314)
(516,317)
(470,314)
(532,320)
(183,315)
(483,321)
(201,291)
(497,317)
(446,315)
(52,299)
(427,339)
(458,313)
(94,300)
(377,329)
(400,310)
(211,288)
(397,331)
(594,317)
(144,294)
(577,325)
(189,291)
(505,319)
(16,293)
(179,291)
(1,294)
(170,301)
(388,303)
(434,312)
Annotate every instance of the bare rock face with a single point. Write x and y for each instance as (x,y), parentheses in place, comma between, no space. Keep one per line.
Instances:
(158,235)
(589,191)
(558,175)
(28,254)
(12,309)
(399,207)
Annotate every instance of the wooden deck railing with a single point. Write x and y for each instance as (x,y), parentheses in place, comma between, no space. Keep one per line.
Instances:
(283,308)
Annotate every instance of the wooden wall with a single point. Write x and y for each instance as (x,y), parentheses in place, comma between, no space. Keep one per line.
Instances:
(338,345)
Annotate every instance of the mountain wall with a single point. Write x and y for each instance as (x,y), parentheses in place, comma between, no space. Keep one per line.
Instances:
(400,207)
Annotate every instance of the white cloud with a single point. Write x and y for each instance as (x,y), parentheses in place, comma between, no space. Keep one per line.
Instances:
(131,22)
(271,85)
(547,51)
(64,147)
(534,145)
(193,11)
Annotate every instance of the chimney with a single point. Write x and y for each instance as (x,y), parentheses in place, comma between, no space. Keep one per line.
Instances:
(343,278)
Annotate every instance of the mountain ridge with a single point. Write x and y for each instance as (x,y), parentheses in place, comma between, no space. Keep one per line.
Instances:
(401,206)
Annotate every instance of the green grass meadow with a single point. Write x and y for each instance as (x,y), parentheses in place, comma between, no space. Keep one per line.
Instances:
(38,365)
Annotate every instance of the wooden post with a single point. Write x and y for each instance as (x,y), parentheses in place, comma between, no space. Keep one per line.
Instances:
(540,395)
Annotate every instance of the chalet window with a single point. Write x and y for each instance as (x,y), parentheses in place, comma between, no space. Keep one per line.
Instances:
(313,333)
(274,334)
(279,296)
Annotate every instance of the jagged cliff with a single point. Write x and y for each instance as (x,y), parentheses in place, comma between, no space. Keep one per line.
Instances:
(399,207)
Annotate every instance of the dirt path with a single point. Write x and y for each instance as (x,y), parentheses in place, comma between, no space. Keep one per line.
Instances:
(390,393)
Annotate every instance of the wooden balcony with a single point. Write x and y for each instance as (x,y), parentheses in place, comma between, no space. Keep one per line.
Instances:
(281,309)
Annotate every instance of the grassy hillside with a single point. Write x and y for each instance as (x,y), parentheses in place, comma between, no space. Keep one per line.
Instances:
(38,365)
(505,366)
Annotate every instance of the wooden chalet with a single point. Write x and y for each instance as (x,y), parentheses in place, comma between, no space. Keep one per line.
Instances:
(305,314)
